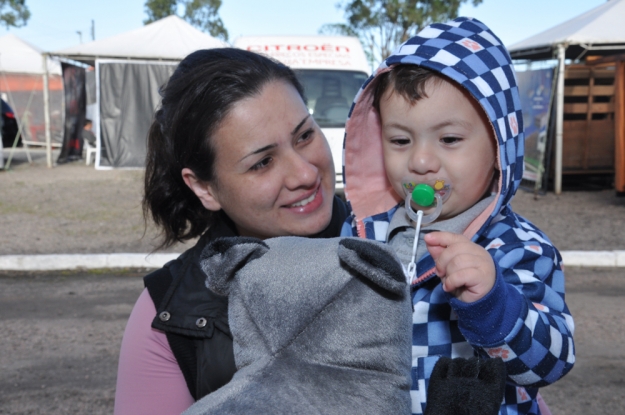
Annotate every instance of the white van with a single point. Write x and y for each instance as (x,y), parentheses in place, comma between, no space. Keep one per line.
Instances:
(331,69)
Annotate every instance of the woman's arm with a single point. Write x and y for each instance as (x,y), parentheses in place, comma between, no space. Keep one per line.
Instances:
(149,380)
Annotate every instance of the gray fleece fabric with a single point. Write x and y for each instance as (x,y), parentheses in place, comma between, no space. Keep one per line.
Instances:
(320,326)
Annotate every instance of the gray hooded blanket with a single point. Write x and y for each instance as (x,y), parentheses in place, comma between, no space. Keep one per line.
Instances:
(320,326)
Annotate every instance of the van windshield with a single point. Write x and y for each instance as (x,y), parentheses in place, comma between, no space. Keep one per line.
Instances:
(330,94)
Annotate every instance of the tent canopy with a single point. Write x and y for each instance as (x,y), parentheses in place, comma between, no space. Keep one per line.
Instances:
(170,38)
(130,69)
(598,31)
(18,56)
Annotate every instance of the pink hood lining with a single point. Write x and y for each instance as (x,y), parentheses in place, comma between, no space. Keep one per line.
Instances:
(366,185)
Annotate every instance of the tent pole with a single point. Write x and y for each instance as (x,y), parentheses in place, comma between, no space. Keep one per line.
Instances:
(46,110)
(559,119)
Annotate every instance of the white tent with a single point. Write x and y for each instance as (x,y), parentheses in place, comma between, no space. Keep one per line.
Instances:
(21,83)
(129,69)
(599,31)
(170,38)
(18,56)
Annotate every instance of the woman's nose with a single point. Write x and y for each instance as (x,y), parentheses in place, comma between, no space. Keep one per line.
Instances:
(300,172)
(424,160)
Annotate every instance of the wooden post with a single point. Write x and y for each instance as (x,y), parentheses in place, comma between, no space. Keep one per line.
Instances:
(46,110)
(559,119)
(619,127)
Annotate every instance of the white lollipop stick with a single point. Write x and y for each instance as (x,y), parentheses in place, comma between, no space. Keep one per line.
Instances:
(420,219)
(412,267)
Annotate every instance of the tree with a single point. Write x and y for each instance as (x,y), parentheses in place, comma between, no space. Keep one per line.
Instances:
(202,14)
(157,9)
(14,13)
(382,25)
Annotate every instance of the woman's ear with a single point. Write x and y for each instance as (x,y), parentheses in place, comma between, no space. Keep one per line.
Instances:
(203,190)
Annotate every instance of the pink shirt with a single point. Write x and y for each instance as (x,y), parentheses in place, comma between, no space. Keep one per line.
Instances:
(149,380)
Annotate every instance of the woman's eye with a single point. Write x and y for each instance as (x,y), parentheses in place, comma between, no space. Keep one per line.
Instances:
(450,140)
(307,135)
(261,164)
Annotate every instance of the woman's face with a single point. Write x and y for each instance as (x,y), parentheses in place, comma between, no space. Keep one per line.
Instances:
(274,174)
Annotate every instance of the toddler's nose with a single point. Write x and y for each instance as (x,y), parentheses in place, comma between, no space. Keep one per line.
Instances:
(424,161)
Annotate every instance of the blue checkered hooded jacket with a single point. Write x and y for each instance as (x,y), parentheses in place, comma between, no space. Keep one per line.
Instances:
(524,318)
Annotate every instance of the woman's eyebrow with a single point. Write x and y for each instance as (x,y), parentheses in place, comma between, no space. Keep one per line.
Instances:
(300,125)
(258,151)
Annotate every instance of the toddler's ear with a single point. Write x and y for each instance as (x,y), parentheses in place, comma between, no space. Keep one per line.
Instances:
(223,257)
(375,262)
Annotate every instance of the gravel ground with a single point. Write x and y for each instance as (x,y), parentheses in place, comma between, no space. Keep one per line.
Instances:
(63,330)
(74,208)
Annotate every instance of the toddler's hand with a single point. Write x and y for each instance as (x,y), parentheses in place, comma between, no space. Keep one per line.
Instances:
(466,269)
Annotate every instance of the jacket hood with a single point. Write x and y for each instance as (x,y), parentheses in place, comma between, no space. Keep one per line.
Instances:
(468,53)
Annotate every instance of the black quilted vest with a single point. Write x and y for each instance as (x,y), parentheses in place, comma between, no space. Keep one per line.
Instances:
(195,319)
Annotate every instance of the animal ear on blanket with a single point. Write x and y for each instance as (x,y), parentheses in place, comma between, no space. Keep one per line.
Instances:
(221,259)
(319,326)
(462,386)
(374,263)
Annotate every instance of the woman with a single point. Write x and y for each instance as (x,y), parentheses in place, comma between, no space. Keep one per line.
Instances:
(232,151)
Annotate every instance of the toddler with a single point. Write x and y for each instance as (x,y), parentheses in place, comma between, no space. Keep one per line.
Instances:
(444,111)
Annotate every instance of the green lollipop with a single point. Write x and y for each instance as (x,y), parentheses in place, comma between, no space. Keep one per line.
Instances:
(423,195)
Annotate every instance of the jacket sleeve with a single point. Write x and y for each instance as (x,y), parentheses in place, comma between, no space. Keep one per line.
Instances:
(149,380)
(524,319)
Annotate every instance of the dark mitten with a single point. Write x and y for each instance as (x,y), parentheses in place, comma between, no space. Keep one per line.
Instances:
(466,387)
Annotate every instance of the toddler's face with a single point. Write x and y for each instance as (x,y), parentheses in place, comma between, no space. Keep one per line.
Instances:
(444,135)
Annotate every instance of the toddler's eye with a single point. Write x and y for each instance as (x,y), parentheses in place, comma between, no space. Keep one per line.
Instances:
(400,141)
(450,140)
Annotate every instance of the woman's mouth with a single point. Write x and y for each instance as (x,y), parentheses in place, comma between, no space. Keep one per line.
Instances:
(308,204)
(306,201)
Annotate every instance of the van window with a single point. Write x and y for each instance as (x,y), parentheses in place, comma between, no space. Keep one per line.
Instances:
(330,94)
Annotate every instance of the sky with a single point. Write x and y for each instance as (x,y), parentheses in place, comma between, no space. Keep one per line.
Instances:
(54,24)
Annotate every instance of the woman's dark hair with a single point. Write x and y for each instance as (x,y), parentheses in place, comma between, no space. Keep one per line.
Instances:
(406,80)
(196,99)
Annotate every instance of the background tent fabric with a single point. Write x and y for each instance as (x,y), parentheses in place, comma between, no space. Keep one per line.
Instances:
(170,38)
(75,109)
(129,70)
(21,86)
(599,30)
(18,56)
(591,39)
(128,88)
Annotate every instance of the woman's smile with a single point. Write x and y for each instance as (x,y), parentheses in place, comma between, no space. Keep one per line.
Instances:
(309,203)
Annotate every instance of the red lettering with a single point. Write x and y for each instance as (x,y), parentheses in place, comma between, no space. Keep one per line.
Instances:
(329,49)
(274,47)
